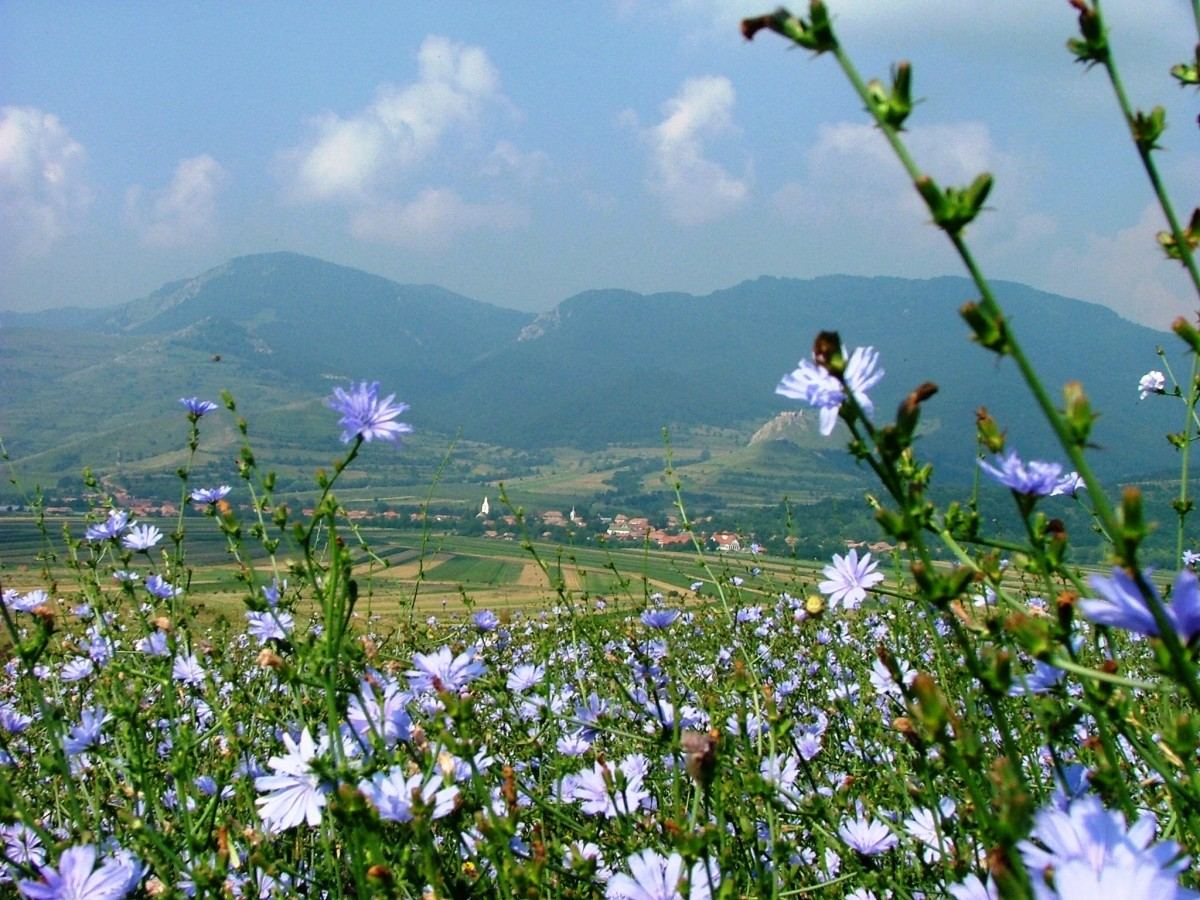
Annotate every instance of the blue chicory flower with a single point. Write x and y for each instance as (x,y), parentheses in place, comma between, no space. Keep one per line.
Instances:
(1122,605)
(295,793)
(816,386)
(659,618)
(210,495)
(1035,479)
(849,578)
(393,795)
(1153,382)
(78,878)
(485,620)
(197,407)
(443,671)
(1086,846)
(141,537)
(365,415)
(868,837)
(653,876)
(111,528)
(161,588)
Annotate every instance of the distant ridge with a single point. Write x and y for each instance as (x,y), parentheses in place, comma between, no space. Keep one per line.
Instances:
(603,367)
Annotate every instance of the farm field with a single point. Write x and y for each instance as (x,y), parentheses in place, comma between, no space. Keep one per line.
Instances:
(440,575)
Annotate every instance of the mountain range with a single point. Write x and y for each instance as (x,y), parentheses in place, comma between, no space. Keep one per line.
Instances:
(604,367)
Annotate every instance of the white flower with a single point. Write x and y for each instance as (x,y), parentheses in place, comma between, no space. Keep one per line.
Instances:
(296,793)
(1153,382)
(849,578)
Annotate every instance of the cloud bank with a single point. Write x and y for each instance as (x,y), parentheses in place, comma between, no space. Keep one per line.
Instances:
(694,188)
(378,163)
(185,212)
(43,193)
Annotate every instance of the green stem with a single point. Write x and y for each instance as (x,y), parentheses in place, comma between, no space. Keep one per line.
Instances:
(1145,151)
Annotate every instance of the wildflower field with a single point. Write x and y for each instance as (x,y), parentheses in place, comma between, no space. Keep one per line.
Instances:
(1006,726)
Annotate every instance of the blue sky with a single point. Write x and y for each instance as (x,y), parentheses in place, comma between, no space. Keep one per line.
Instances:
(521,152)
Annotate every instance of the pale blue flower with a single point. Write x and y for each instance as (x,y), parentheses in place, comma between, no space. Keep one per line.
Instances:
(1123,606)
(22,845)
(141,537)
(1042,679)
(295,792)
(928,827)
(974,889)
(816,386)
(77,877)
(659,618)
(77,669)
(1153,382)
(197,407)
(27,602)
(573,744)
(1086,849)
(1070,484)
(601,791)
(394,795)
(868,837)
(161,588)
(273,591)
(442,671)
(117,522)
(1191,558)
(849,578)
(1037,479)
(188,670)
(365,415)
(653,876)
(589,715)
(154,644)
(13,720)
(485,620)
(380,710)
(88,733)
(525,676)
(210,495)
(586,854)
(271,625)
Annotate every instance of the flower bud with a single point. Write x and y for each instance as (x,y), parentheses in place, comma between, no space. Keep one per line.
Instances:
(816,34)
(989,433)
(991,331)
(1133,519)
(1148,127)
(1078,412)
(700,754)
(827,352)
(909,412)
(1187,332)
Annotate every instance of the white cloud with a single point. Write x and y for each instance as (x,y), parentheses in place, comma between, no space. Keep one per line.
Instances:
(1128,272)
(43,195)
(185,212)
(507,159)
(373,163)
(694,188)
(855,187)
(433,220)
(354,160)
